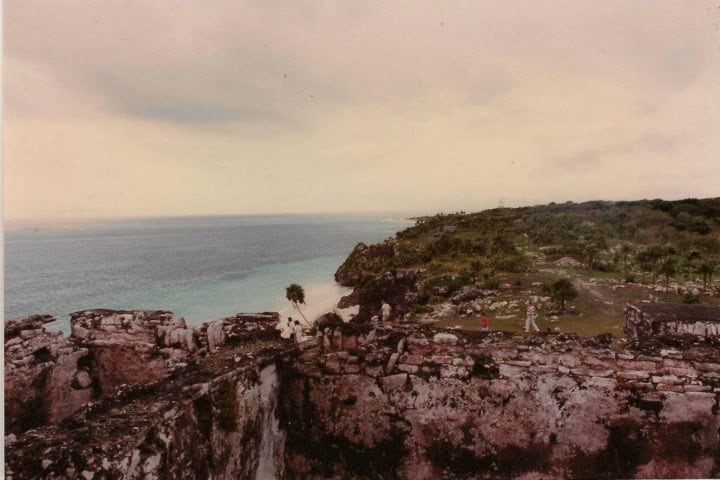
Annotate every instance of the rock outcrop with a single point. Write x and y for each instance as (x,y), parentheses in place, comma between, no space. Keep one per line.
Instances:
(400,402)
(423,404)
(368,270)
(217,420)
(363,261)
(48,376)
(209,416)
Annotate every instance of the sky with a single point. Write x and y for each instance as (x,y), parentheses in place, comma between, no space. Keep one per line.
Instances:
(135,108)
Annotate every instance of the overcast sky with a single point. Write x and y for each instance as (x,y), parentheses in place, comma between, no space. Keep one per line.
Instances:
(137,108)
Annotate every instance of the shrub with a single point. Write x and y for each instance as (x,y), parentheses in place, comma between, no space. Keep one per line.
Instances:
(691,298)
(561,290)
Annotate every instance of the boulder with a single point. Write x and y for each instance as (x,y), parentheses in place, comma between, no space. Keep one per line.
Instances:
(445,339)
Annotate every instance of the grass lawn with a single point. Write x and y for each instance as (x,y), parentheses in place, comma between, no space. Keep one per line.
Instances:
(589,325)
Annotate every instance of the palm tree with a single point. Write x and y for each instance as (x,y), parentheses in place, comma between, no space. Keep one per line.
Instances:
(707,269)
(296,295)
(626,250)
(668,267)
(652,255)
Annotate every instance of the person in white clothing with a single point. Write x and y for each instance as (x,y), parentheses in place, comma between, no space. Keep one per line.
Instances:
(285,327)
(530,316)
(298,332)
(385,311)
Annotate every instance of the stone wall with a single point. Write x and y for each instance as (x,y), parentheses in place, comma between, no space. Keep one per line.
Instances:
(240,328)
(212,416)
(48,376)
(701,321)
(427,404)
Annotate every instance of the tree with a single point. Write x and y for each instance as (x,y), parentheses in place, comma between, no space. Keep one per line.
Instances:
(296,295)
(668,267)
(562,290)
(707,269)
(626,250)
(590,252)
(652,255)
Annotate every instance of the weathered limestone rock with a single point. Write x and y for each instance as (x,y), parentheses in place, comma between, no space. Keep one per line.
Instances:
(472,406)
(215,335)
(48,376)
(183,426)
(362,260)
(40,372)
(224,428)
(561,409)
(445,339)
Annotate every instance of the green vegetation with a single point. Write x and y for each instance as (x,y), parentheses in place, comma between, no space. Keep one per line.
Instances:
(652,237)
(561,290)
(587,326)
(589,258)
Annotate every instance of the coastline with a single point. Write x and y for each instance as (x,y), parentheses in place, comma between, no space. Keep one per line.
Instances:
(320,298)
(244,266)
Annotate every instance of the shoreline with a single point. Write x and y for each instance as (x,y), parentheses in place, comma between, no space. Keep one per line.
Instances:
(320,298)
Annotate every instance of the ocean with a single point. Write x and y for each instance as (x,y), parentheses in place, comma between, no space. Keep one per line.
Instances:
(200,268)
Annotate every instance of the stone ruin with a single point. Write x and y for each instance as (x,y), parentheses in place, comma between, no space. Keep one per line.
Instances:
(48,376)
(406,401)
(656,319)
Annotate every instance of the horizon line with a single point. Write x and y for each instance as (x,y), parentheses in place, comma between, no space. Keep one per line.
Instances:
(28,222)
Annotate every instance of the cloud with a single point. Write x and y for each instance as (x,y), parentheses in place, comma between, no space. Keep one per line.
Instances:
(596,158)
(242,107)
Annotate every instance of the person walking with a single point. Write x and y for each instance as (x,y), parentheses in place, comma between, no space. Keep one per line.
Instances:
(484,322)
(298,332)
(530,316)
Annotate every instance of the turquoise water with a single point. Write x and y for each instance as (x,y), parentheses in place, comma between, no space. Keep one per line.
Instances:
(201,268)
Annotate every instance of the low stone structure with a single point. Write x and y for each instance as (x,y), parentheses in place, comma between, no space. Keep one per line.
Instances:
(240,328)
(652,319)
(46,375)
(217,419)
(49,376)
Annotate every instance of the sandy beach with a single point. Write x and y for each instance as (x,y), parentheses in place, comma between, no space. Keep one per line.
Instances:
(320,298)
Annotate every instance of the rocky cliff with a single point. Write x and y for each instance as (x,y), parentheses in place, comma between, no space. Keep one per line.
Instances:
(207,416)
(369,270)
(400,402)
(427,404)
(48,377)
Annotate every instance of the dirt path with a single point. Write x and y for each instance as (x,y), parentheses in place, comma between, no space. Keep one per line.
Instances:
(599,293)
(600,296)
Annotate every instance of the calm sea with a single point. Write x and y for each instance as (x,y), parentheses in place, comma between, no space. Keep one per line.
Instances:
(201,268)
